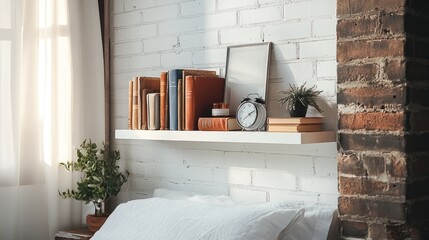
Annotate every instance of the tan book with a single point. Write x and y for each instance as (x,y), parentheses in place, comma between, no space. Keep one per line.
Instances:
(145,92)
(162,100)
(135,111)
(295,120)
(130,104)
(294,128)
(218,124)
(153,111)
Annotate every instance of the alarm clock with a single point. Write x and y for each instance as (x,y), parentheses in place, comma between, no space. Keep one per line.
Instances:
(252,114)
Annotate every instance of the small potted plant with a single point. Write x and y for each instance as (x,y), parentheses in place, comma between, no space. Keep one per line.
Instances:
(101,179)
(297,99)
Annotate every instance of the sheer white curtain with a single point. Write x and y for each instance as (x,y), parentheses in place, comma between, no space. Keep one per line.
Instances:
(51,98)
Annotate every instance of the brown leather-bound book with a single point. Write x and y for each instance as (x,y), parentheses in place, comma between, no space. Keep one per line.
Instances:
(130,104)
(134,122)
(294,127)
(162,99)
(218,124)
(145,83)
(145,92)
(201,92)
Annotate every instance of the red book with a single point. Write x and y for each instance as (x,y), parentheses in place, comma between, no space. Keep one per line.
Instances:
(218,124)
(201,92)
(162,99)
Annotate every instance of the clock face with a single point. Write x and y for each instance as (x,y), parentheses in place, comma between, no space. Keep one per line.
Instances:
(247,115)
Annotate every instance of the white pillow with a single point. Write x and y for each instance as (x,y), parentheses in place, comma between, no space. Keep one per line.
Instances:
(314,225)
(164,219)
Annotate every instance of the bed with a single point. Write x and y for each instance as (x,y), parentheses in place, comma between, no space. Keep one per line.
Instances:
(174,215)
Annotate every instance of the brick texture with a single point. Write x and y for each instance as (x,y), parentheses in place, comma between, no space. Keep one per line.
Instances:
(383,74)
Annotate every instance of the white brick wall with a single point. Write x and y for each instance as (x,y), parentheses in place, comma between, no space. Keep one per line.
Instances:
(150,36)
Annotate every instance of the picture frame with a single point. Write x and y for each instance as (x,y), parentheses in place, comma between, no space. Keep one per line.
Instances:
(247,71)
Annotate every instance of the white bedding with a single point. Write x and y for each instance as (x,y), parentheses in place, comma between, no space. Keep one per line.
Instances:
(316,223)
(166,219)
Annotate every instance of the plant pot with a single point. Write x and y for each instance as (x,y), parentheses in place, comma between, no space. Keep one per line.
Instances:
(299,111)
(95,222)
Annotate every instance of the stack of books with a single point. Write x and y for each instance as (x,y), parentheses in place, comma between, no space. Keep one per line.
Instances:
(304,124)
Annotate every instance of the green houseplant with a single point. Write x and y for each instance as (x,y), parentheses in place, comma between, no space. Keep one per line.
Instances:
(101,178)
(297,99)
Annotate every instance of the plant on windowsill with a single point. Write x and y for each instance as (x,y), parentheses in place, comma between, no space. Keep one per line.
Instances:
(297,99)
(101,179)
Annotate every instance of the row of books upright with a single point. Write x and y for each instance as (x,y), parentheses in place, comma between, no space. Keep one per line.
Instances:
(174,101)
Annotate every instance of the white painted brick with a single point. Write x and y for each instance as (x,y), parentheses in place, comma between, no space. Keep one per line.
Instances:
(274,179)
(291,163)
(126,19)
(241,35)
(120,80)
(165,2)
(163,170)
(202,158)
(217,20)
(145,61)
(160,44)
(282,52)
(132,33)
(197,174)
(121,64)
(261,15)
(325,166)
(205,39)
(152,184)
(209,56)
(247,195)
(308,9)
(228,4)
(319,184)
(176,59)
(328,88)
(119,94)
(131,5)
(325,27)
(197,7)
(118,5)
(209,189)
(243,160)
(157,14)
(177,26)
(294,196)
(232,175)
(136,167)
(327,69)
(287,31)
(293,71)
(130,48)
(318,49)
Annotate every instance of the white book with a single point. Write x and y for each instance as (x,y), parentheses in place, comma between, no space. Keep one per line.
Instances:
(153,111)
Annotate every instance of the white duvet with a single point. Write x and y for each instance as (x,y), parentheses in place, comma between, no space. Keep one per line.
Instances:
(165,219)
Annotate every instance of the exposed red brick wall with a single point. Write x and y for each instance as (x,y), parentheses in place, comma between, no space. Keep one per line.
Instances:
(383,123)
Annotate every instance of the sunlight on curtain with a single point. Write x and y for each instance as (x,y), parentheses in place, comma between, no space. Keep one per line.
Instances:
(44,75)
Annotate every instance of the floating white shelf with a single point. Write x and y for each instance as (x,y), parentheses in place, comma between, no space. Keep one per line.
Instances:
(228,136)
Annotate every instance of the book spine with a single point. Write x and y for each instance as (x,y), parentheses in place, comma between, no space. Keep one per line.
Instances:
(139,103)
(135,104)
(172,87)
(162,99)
(180,105)
(152,113)
(213,124)
(189,103)
(130,104)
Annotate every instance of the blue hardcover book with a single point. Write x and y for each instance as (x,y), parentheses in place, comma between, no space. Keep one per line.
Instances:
(173,77)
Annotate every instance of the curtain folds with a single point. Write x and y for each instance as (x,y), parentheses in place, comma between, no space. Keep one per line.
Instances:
(51,98)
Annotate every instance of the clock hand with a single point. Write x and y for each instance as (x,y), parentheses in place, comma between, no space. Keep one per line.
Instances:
(248,114)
